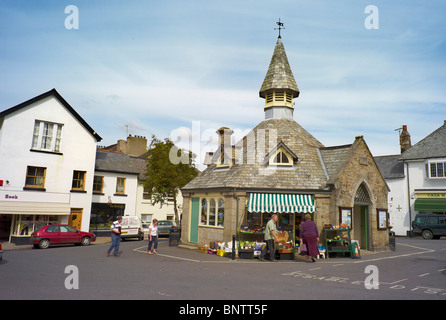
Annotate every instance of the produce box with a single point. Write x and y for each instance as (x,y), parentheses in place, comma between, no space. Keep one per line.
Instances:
(246,253)
(286,256)
(282,237)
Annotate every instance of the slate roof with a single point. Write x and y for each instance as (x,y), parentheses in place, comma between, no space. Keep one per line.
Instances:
(252,173)
(390,166)
(279,75)
(114,162)
(332,156)
(433,146)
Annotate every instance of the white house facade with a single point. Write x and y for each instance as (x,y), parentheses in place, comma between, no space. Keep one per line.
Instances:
(47,157)
(114,190)
(417,180)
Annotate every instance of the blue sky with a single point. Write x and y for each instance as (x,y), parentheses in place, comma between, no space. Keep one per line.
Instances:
(156,66)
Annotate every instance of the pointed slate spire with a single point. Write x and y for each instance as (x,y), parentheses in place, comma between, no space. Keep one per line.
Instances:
(279,75)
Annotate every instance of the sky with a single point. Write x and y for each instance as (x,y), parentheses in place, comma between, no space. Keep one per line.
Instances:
(186,68)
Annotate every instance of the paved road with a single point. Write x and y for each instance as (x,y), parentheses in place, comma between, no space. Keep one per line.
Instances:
(417,270)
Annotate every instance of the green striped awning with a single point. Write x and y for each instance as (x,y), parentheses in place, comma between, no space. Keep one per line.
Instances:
(430,205)
(281,202)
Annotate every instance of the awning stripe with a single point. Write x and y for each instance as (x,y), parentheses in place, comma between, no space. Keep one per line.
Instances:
(281,202)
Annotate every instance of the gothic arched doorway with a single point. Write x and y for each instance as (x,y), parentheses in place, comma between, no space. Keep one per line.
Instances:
(361,225)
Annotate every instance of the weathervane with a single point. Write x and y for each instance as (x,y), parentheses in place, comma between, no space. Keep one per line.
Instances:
(280,24)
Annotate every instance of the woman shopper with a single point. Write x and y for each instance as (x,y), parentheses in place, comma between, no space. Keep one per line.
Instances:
(310,237)
(153,237)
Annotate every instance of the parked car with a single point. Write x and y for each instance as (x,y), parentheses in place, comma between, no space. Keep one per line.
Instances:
(430,226)
(60,234)
(1,252)
(164,227)
(131,227)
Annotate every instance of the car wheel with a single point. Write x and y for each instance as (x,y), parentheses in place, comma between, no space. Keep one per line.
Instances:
(44,243)
(86,241)
(427,234)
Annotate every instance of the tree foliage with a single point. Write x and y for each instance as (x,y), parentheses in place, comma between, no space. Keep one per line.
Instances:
(168,169)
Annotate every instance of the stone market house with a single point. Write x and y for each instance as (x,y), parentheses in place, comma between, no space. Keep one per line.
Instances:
(279,167)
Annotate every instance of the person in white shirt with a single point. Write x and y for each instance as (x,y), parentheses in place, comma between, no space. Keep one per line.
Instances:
(153,237)
(115,237)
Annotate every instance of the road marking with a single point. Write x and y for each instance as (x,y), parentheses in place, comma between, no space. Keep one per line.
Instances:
(337,265)
(315,269)
(441,270)
(165,255)
(399,281)
(423,275)
(399,256)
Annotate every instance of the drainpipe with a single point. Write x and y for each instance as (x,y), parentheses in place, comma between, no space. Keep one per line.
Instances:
(408,200)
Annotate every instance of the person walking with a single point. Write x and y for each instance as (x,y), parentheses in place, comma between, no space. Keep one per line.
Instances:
(270,235)
(115,237)
(310,238)
(153,237)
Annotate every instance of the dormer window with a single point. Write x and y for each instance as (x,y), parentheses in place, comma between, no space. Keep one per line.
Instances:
(281,156)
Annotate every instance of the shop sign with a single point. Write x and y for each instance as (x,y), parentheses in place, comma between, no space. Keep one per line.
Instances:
(432,195)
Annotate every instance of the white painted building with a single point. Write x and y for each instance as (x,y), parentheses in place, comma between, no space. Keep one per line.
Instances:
(417,180)
(136,148)
(47,164)
(114,190)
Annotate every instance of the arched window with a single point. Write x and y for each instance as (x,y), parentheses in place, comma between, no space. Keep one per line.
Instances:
(212,212)
(204,211)
(281,158)
(221,212)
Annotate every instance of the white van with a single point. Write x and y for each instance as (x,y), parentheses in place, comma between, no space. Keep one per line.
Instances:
(131,228)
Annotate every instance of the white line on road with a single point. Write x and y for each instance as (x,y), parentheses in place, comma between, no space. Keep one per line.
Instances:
(399,256)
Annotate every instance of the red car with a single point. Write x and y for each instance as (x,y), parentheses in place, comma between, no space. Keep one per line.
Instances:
(60,234)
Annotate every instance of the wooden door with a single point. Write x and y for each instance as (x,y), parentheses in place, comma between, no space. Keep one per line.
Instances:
(75,219)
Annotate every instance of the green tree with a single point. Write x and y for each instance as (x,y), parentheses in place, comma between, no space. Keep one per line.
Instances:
(168,169)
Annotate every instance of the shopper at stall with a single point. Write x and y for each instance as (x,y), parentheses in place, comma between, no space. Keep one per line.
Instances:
(270,235)
(310,238)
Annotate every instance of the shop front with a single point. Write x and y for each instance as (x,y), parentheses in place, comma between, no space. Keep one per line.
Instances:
(22,213)
(290,208)
(430,201)
(103,215)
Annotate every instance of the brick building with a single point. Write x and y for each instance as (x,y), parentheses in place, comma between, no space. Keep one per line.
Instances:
(281,168)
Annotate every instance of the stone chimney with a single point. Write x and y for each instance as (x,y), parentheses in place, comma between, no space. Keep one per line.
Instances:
(225,144)
(134,146)
(405,139)
(224,137)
